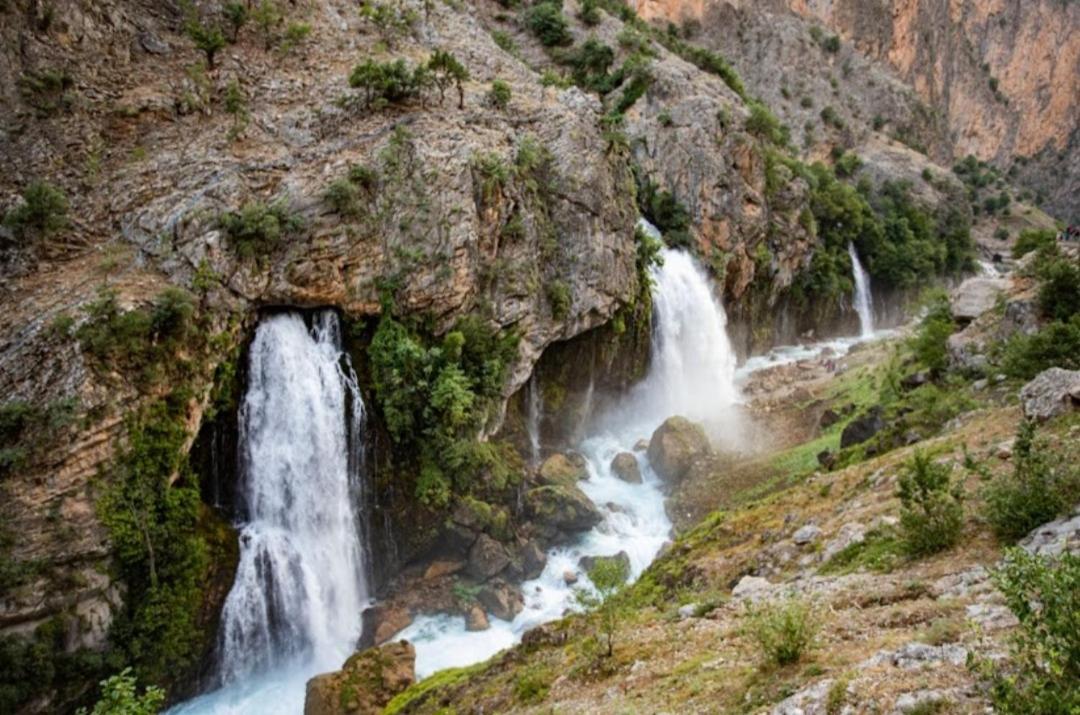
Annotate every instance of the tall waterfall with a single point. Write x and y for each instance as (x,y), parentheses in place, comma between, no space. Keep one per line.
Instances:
(692,373)
(864,301)
(301,584)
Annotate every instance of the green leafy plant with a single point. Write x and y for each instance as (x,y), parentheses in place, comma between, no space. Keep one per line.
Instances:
(207,37)
(784,630)
(236,13)
(546,21)
(257,229)
(929,344)
(607,576)
(48,90)
(1032,239)
(499,96)
(447,70)
(1041,487)
(1045,653)
(43,211)
(388,82)
(559,298)
(932,512)
(763,124)
(589,12)
(120,696)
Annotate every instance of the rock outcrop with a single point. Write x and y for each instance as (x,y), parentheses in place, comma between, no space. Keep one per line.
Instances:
(974,297)
(625,467)
(1053,392)
(366,682)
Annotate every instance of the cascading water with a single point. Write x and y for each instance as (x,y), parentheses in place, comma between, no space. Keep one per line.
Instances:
(301,585)
(533,420)
(864,301)
(691,373)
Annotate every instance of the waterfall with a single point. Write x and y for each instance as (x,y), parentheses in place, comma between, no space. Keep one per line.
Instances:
(301,583)
(864,301)
(692,373)
(532,425)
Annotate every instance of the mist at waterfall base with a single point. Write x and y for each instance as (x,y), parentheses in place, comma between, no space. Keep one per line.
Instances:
(301,584)
(692,374)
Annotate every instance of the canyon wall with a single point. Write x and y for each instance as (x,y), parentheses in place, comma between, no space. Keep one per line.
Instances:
(1003,74)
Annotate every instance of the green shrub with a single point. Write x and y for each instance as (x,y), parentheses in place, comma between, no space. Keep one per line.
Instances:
(257,229)
(532,685)
(436,395)
(268,17)
(1041,487)
(295,34)
(930,342)
(831,117)
(120,696)
(1033,239)
(386,83)
(43,211)
(208,38)
(589,12)
(763,124)
(847,164)
(47,90)
(37,665)
(1056,344)
(706,61)
(559,298)
(28,431)
(831,44)
(784,630)
(546,21)
(665,211)
(932,512)
(236,13)
(153,530)
(392,20)
(1059,286)
(608,575)
(1045,652)
(500,94)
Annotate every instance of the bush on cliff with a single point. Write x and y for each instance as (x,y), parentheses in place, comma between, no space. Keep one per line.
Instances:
(257,229)
(43,212)
(547,23)
(436,394)
(784,630)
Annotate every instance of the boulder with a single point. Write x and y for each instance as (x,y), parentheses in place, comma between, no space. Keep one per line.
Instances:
(476,619)
(967,349)
(751,588)
(565,509)
(533,560)
(674,447)
(641,445)
(388,620)
(367,682)
(562,469)
(828,418)
(501,599)
(1053,392)
(862,427)
(1056,537)
(849,534)
(975,296)
(487,557)
(806,535)
(569,577)
(826,458)
(626,468)
(588,563)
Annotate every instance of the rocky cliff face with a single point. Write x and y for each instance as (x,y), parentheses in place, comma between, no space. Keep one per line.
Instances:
(110,103)
(1001,76)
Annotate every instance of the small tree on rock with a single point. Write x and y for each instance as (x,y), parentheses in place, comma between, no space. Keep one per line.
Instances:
(446,70)
(208,38)
(607,576)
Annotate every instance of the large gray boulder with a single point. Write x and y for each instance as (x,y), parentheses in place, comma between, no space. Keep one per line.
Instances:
(675,445)
(487,557)
(975,296)
(1053,392)
(862,427)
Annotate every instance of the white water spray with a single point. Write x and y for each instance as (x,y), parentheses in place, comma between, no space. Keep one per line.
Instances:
(301,585)
(692,373)
(864,301)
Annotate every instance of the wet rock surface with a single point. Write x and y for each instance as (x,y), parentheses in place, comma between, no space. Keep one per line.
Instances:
(675,446)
